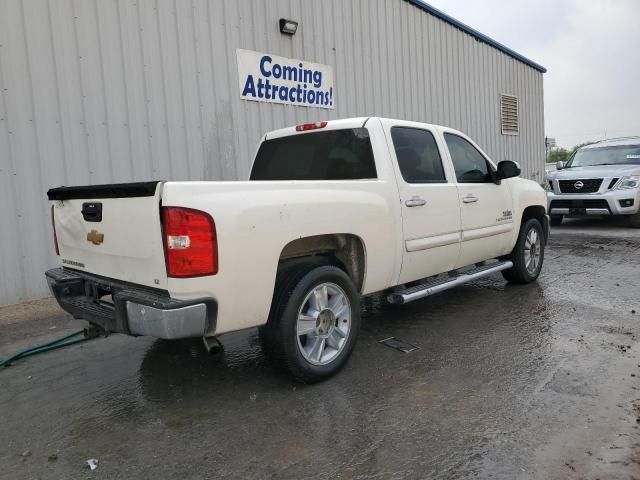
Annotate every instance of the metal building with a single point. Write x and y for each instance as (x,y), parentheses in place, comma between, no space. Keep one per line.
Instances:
(102,91)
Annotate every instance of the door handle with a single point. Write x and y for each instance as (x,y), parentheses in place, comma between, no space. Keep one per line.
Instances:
(470,199)
(415,201)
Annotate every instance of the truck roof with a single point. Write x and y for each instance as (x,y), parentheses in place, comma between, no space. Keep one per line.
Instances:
(354,122)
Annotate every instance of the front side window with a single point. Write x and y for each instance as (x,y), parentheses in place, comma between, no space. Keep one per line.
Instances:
(418,155)
(469,164)
(331,155)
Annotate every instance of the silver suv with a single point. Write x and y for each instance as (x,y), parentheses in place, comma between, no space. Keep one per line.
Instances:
(602,178)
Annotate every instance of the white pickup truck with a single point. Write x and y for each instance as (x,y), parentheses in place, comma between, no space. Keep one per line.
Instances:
(332,211)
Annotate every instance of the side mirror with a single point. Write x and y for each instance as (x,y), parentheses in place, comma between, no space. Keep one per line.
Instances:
(559,165)
(508,169)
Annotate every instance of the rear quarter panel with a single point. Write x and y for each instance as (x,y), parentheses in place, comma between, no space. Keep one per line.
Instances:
(256,220)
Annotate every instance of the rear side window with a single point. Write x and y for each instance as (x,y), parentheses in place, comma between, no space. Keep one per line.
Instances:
(469,164)
(418,155)
(331,155)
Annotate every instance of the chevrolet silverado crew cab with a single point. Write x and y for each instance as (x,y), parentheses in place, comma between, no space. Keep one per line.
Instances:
(602,178)
(331,211)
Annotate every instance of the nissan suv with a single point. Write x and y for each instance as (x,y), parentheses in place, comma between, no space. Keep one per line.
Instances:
(601,178)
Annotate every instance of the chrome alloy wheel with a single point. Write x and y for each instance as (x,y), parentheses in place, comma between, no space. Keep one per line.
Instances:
(532,247)
(323,325)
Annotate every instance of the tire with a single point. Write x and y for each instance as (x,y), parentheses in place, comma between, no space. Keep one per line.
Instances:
(527,262)
(323,302)
(556,220)
(634,220)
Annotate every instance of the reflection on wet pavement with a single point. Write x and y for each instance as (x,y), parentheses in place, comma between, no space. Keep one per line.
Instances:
(508,382)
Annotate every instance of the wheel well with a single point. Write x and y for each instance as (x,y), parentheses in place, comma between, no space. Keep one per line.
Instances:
(533,211)
(343,250)
(536,211)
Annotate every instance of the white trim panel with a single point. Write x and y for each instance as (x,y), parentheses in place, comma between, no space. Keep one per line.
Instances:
(432,242)
(486,231)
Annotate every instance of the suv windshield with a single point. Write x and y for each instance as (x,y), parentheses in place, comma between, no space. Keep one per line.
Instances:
(614,155)
(330,155)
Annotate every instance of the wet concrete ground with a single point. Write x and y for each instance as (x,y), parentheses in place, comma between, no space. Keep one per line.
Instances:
(537,381)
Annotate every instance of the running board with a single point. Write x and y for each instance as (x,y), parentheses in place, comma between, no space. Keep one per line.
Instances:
(435,286)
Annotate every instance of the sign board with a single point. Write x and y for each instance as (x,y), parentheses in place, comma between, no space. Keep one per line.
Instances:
(551,142)
(269,78)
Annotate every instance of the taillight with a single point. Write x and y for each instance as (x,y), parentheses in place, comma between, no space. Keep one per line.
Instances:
(55,236)
(310,126)
(190,246)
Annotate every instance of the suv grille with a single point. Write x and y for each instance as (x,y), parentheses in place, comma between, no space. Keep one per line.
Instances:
(590,185)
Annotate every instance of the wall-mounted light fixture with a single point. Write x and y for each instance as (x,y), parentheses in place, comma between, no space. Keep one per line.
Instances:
(288,27)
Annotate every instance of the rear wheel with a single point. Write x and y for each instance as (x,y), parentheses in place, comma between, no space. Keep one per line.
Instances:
(314,322)
(528,254)
(555,220)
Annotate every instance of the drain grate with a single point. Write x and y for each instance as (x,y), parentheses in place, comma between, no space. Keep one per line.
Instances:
(399,345)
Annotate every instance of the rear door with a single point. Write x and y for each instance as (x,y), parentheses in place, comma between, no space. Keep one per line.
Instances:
(111,230)
(429,200)
(486,209)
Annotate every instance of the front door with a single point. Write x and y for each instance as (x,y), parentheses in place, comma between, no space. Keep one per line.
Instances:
(486,208)
(429,202)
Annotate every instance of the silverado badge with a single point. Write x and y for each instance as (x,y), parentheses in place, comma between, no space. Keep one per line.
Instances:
(94,237)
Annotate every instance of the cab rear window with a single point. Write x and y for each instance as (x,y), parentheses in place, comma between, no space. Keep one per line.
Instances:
(330,155)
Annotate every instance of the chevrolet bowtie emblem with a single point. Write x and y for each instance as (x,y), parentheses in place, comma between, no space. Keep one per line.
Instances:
(94,237)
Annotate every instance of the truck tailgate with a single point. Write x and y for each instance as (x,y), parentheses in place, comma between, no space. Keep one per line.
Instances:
(111,230)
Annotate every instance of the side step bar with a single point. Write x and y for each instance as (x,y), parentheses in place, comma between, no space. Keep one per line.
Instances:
(438,285)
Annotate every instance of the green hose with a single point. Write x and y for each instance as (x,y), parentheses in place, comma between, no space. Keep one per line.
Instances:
(45,347)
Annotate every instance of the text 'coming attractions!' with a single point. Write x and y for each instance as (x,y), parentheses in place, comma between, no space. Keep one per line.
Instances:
(269,78)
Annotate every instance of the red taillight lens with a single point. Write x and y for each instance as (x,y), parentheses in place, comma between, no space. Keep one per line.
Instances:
(55,235)
(190,245)
(310,126)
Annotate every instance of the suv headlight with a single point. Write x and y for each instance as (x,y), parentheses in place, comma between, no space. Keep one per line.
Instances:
(631,181)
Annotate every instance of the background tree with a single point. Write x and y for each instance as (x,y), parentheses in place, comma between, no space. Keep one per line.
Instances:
(558,155)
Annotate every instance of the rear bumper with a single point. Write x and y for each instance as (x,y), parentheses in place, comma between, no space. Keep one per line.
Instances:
(613,202)
(135,310)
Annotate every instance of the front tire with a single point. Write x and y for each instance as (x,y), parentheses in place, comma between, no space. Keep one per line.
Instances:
(528,254)
(313,323)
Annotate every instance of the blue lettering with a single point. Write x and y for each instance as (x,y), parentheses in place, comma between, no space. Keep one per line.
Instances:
(249,87)
(264,60)
(267,90)
(260,88)
(282,94)
(317,78)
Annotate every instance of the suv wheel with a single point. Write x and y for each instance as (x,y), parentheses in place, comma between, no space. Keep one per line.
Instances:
(555,220)
(634,220)
(528,254)
(314,322)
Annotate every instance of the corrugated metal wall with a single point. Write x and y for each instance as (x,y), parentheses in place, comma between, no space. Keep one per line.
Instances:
(97,91)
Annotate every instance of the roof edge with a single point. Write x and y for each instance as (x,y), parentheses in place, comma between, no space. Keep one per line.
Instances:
(475,33)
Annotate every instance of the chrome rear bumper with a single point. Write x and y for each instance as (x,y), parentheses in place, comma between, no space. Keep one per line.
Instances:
(134,310)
